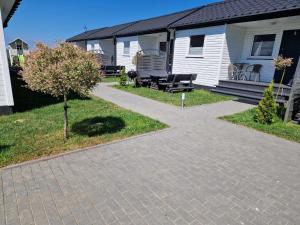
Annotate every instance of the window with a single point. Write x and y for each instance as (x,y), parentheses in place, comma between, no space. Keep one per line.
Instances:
(126,50)
(263,45)
(196,45)
(163,46)
(19,46)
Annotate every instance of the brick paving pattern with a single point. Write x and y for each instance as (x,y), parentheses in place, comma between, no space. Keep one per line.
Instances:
(200,171)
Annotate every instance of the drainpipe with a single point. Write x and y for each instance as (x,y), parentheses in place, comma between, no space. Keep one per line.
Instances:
(115,51)
(168,63)
(222,52)
(85,44)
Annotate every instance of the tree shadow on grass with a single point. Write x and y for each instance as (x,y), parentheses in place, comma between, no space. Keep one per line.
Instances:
(4,148)
(98,126)
(25,99)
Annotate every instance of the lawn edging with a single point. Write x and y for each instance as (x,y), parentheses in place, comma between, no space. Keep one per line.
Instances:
(50,157)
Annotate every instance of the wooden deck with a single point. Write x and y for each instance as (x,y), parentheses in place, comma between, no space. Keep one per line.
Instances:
(250,90)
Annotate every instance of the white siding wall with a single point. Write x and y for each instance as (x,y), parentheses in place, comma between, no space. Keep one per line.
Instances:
(209,65)
(6,97)
(126,60)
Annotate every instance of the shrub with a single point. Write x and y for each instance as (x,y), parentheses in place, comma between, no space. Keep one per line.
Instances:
(123,78)
(267,107)
(15,61)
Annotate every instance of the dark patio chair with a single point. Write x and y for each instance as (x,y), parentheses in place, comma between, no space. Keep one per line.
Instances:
(254,70)
(236,71)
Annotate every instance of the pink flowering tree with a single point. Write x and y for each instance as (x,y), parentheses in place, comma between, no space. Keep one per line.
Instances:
(58,71)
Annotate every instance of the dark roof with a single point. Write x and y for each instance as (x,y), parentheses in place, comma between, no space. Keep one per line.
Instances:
(11,12)
(228,11)
(235,10)
(84,35)
(154,24)
(110,31)
(102,33)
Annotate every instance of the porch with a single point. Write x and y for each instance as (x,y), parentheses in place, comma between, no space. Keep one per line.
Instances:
(250,48)
(251,90)
(105,50)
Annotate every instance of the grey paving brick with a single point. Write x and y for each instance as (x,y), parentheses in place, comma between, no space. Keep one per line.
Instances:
(2,211)
(200,171)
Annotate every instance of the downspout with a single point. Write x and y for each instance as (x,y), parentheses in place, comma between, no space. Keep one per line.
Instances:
(85,43)
(222,52)
(169,62)
(115,51)
(168,50)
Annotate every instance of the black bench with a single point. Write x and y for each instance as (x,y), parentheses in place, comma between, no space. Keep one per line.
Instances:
(178,82)
(111,70)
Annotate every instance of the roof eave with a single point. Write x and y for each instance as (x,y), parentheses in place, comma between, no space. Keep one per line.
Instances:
(142,32)
(11,13)
(256,17)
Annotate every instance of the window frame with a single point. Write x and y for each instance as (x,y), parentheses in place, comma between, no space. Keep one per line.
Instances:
(124,48)
(203,45)
(262,56)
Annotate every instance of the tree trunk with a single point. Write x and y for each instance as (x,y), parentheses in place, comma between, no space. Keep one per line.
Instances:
(66,134)
(280,84)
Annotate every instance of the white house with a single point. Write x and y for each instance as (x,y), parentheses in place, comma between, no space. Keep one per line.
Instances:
(126,40)
(17,47)
(101,41)
(237,32)
(8,8)
(149,34)
(207,39)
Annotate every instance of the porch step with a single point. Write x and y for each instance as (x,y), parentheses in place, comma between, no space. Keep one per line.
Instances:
(249,90)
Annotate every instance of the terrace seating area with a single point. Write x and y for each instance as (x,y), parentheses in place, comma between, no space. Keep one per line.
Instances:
(152,72)
(245,71)
(174,82)
(245,82)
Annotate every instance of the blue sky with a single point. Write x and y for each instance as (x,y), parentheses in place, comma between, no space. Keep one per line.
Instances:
(53,20)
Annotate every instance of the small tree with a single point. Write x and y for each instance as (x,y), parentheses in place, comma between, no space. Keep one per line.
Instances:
(267,107)
(123,78)
(58,71)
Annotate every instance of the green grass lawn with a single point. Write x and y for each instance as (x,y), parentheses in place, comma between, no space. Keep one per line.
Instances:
(288,131)
(196,97)
(36,129)
(110,79)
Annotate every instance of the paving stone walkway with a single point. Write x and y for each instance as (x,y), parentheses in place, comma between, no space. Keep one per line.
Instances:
(200,171)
